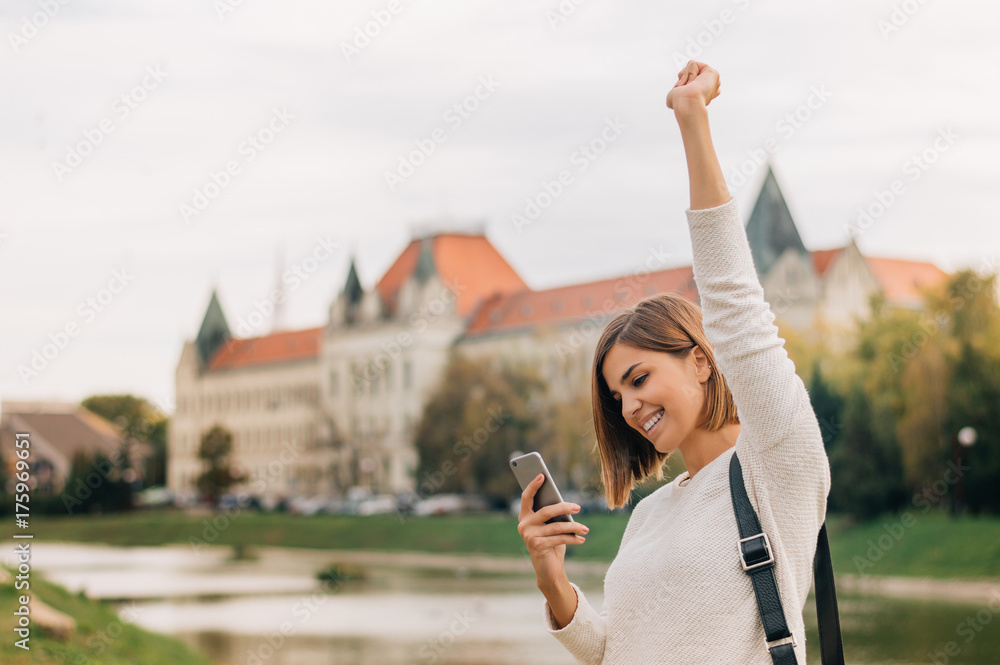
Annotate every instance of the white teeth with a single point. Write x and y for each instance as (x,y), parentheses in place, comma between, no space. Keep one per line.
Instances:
(652,421)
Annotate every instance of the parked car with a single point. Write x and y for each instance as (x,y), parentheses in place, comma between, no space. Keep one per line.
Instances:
(440,504)
(378,504)
(302,505)
(154,497)
(451,504)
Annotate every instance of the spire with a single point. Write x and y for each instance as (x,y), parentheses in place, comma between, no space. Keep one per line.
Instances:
(214,331)
(771,230)
(278,320)
(352,287)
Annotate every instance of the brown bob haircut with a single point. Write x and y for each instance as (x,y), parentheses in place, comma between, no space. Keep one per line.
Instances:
(668,323)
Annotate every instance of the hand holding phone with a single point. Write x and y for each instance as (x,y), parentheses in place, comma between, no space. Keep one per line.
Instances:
(526,468)
(545,521)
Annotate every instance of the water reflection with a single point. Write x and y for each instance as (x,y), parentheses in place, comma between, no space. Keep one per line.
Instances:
(274,611)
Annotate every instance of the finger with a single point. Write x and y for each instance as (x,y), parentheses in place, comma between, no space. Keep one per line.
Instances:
(556,528)
(562,508)
(528,495)
(544,531)
(550,542)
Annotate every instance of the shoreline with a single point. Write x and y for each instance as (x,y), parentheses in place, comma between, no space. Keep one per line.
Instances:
(951,590)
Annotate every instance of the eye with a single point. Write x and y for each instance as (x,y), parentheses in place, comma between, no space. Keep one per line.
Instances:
(637,381)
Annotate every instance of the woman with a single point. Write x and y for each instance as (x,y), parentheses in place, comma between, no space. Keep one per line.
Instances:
(670,376)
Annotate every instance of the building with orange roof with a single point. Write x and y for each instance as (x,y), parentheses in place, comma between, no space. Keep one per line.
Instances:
(265,391)
(321,410)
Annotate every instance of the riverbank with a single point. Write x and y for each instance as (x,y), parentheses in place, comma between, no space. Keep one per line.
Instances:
(89,633)
(466,565)
(927,546)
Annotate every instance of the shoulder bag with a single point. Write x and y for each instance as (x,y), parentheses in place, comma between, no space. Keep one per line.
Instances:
(758,562)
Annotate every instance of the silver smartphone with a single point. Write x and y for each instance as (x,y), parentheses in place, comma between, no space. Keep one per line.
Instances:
(526,468)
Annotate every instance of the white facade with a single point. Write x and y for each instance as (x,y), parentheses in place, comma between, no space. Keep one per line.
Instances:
(281,441)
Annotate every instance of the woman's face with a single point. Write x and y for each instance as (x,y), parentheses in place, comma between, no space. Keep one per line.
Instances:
(658,384)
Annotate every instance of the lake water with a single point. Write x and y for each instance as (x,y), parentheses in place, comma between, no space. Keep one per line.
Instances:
(273,610)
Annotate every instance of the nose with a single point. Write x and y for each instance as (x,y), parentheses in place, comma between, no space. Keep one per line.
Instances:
(631,407)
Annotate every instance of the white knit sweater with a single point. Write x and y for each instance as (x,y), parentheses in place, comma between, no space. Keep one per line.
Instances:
(676,593)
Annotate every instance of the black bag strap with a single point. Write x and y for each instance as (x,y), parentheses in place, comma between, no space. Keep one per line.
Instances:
(757,560)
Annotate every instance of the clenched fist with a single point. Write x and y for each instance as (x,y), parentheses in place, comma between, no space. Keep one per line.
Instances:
(696,84)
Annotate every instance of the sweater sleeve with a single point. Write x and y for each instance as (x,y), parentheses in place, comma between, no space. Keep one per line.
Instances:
(584,636)
(769,395)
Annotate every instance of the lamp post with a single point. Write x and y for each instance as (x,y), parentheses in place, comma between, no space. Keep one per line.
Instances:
(964,439)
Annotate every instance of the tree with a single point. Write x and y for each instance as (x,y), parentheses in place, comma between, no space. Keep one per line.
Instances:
(828,406)
(913,380)
(139,421)
(214,449)
(865,468)
(572,442)
(94,485)
(971,318)
(482,412)
(865,456)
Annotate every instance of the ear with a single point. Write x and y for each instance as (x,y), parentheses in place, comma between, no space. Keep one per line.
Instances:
(702,367)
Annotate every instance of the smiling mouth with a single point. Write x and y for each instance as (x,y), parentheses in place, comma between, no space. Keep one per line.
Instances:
(654,421)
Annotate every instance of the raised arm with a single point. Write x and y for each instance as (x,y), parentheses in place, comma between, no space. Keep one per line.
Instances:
(697,85)
(769,396)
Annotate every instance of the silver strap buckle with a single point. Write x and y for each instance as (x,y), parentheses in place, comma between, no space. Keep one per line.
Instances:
(771,646)
(767,548)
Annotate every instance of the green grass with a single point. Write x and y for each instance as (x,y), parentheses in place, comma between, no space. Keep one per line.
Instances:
(101,637)
(494,533)
(934,546)
(917,545)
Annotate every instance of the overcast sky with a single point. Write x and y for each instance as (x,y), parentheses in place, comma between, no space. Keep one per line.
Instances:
(152,151)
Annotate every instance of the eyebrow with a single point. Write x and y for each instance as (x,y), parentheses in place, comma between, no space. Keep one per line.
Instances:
(629,371)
